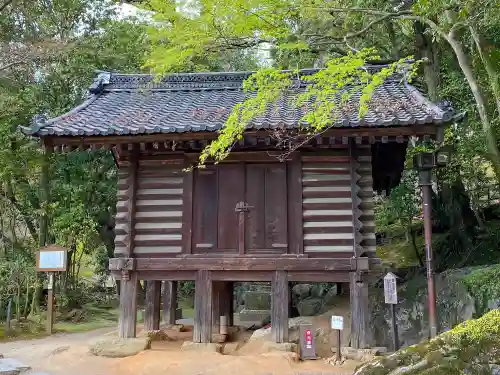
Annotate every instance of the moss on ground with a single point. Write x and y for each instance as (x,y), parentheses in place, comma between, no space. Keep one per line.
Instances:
(471,348)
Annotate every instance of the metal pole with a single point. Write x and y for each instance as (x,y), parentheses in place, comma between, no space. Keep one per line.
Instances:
(50,304)
(427,211)
(395,339)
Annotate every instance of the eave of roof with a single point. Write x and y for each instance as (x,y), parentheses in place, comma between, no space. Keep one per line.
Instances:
(128,104)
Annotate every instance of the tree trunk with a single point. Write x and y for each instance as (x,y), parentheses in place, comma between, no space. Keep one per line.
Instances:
(493,75)
(426,49)
(489,134)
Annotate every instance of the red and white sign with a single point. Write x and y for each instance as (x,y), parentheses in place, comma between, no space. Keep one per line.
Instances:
(308,339)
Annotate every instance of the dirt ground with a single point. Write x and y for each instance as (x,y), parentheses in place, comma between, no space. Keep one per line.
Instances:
(68,354)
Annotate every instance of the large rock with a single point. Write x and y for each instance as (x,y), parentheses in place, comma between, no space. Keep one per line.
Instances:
(119,348)
(301,290)
(331,297)
(455,305)
(257,300)
(310,306)
(471,348)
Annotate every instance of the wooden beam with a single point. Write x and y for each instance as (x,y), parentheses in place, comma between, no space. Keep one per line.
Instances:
(129,281)
(360,313)
(217,304)
(295,224)
(128,307)
(187,214)
(133,173)
(279,307)
(234,263)
(202,330)
(169,301)
(152,311)
(418,130)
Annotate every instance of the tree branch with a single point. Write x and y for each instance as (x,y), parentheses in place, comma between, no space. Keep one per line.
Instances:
(5,5)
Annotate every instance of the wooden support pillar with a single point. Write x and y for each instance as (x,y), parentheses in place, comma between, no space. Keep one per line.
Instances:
(217,304)
(227,307)
(128,307)
(153,298)
(202,330)
(129,282)
(279,307)
(169,302)
(360,314)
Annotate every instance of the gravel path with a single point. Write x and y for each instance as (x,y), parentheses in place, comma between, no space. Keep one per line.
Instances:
(67,354)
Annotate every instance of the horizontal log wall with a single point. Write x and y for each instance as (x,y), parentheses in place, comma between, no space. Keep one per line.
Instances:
(327,203)
(159,211)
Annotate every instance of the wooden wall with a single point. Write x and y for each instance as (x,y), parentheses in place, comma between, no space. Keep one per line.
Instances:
(335,190)
(158,211)
(367,205)
(327,203)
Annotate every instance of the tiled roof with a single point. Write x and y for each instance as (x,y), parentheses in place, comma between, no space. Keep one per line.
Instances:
(120,104)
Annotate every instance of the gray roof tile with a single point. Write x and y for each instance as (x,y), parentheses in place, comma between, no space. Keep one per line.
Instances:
(121,104)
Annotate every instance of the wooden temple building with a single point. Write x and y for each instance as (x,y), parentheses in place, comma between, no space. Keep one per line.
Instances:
(306,217)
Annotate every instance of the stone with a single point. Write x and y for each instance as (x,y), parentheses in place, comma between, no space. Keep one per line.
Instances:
(157,335)
(331,297)
(59,350)
(310,306)
(219,338)
(361,355)
(119,348)
(210,347)
(301,290)
(257,300)
(10,366)
(255,317)
(270,346)
(262,333)
(317,291)
(176,327)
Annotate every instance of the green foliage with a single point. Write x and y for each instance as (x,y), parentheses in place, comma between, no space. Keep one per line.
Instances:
(327,96)
(468,348)
(484,285)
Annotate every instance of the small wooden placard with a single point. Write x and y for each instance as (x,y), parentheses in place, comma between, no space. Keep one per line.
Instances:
(51,258)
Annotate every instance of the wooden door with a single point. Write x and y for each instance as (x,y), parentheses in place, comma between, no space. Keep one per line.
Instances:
(218,226)
(266,222)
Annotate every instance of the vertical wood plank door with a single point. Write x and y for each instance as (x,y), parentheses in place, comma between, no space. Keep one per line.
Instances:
(266,194)
(217,191)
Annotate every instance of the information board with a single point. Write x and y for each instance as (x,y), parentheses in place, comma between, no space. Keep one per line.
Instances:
(337,322)
(390,289)
(52,258)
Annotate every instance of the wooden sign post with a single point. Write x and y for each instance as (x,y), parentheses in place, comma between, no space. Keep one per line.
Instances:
(51,259)
(338,326)
(391,298)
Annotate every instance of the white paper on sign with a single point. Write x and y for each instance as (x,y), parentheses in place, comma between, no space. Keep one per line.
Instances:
(51,259)
(390,289)
(337,322)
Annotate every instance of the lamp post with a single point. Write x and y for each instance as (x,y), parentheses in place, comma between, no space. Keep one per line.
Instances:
(424,163)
